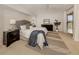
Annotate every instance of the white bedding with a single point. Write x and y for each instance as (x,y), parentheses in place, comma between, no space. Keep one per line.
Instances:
(26,32)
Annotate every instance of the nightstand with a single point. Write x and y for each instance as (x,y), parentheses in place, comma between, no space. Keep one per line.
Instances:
(10,36)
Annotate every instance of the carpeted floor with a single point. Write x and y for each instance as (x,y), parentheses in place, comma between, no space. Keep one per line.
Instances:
(56,47)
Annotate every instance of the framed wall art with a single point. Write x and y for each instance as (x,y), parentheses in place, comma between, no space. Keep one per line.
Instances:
(46,21)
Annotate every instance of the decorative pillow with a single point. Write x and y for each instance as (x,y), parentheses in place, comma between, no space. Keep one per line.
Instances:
(27,26)
(31,27)
(23,27)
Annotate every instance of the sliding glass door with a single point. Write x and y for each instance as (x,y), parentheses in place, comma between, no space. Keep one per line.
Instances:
(70,23)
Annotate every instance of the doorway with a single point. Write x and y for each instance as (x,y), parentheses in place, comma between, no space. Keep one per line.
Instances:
(70,21)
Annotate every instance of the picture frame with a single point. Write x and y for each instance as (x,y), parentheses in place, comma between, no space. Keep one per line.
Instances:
(46,21)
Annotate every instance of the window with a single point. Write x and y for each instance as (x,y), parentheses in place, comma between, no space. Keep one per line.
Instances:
(70,23)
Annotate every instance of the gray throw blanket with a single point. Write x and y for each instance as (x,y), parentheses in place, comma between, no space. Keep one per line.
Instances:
(33,38)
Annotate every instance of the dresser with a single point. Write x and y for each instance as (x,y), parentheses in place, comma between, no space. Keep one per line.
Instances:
(48,26)
(10,36)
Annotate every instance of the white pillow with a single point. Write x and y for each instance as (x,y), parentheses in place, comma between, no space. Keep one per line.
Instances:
(31,27)
(23,27)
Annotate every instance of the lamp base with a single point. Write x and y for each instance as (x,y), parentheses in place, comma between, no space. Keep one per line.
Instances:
(13,27)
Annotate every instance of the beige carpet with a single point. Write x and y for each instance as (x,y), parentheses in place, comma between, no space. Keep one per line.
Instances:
(56,47)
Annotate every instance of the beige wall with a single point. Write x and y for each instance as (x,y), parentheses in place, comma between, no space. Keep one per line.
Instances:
(68,11)
(13,14)
(52,15)
(1,22)
(75,9)
(41,12)
(76,22)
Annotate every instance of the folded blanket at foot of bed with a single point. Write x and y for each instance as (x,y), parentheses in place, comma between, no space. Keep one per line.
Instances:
(33,38)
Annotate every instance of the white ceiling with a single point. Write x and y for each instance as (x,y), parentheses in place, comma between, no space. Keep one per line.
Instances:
(34,8)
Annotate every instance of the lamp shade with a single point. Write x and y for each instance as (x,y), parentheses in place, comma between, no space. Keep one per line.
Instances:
(12,21)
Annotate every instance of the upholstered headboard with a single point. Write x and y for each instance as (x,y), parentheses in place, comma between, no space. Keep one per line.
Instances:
(23,22)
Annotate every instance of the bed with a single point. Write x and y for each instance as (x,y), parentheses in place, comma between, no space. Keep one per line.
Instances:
(26,29)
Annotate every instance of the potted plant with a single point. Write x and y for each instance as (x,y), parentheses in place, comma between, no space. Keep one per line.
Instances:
(56,23)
